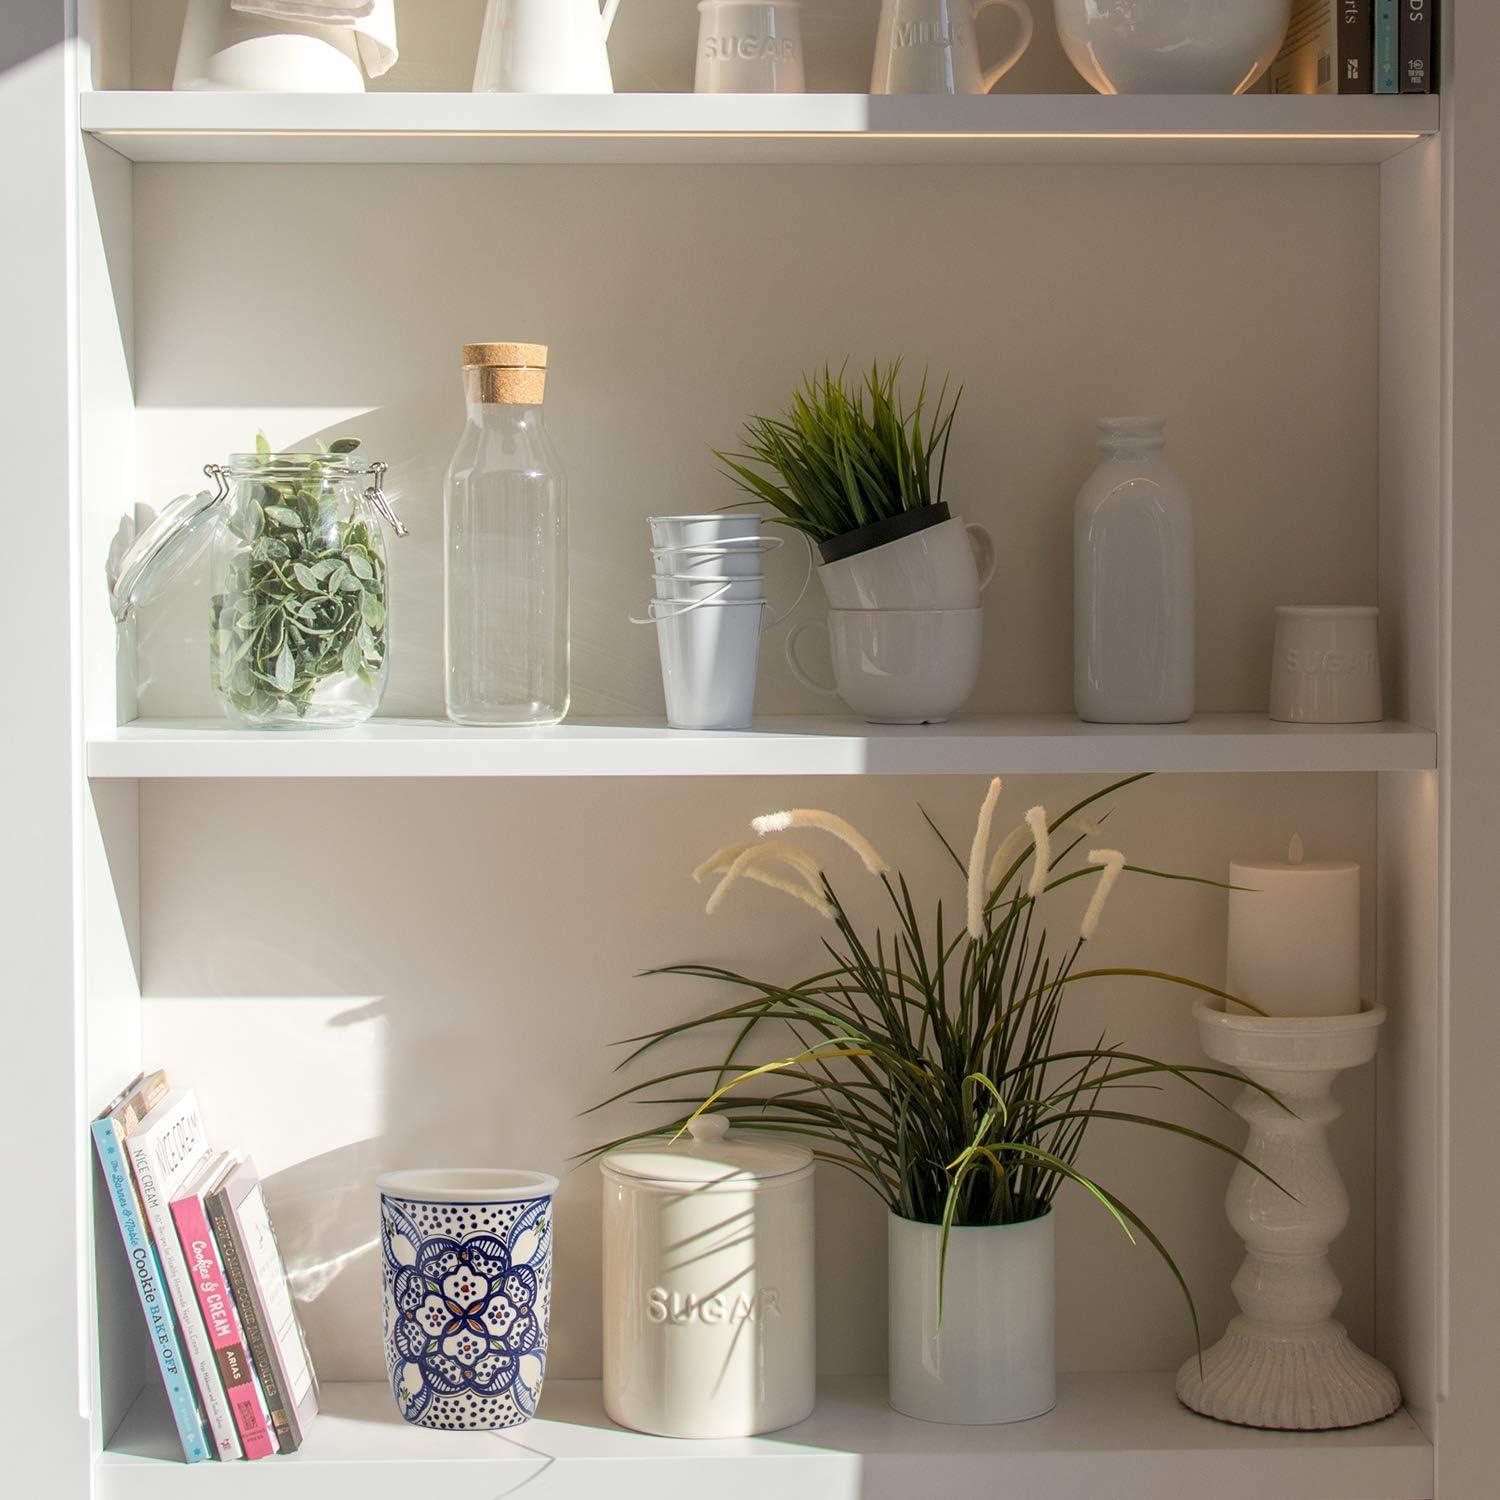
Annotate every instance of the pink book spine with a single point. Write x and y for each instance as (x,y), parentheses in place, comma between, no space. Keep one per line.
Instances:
(224,1332)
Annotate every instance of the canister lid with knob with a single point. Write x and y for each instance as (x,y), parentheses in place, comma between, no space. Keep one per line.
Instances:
(706,1156)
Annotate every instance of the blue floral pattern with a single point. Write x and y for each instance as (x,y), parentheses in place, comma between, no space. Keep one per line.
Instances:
(467,1288)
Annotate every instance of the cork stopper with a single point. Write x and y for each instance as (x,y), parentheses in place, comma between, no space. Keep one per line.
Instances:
(505,374)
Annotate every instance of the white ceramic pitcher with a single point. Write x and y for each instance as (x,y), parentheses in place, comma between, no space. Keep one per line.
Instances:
(545,47)
(929,47)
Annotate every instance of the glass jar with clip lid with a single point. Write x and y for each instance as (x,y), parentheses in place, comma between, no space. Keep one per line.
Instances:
(299,617)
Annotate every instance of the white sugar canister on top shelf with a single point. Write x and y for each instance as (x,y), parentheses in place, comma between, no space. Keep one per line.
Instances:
(708,1284)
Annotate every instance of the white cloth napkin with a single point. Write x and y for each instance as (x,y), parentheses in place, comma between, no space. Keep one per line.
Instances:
(373,23)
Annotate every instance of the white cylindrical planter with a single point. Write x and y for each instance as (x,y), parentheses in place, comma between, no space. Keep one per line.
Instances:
(991,1358)
(708,1284)
(1133,634)
(1285,1361)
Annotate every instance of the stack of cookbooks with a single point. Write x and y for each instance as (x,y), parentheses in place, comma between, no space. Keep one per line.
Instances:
(1359,47)
(205,1264)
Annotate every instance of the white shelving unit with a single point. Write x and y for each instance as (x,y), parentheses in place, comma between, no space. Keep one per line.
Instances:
(1118,1435)
(157,298)
(777,747)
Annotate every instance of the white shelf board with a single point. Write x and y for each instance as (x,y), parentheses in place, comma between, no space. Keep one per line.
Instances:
(1121,1436)
(776,747)
(412,127)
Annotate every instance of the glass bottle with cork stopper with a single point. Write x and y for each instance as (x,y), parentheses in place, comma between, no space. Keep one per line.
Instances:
(505,548)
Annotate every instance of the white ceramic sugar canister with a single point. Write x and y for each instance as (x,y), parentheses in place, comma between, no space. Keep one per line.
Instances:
(708,1284)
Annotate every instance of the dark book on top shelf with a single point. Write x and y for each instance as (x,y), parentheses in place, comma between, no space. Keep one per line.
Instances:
(1388,46)
(1418,42)
(1329,49)
(1356,46)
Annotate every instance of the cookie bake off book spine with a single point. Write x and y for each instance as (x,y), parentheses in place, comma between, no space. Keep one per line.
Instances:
(145,1269)
(165,1149)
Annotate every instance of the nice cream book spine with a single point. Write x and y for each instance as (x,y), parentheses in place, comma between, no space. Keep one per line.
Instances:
(165,1149)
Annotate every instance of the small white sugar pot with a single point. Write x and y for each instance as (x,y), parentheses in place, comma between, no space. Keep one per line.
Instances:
(708,1284)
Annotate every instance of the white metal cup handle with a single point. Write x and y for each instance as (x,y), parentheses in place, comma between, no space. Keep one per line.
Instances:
(687,606)
(993,75)
(826,690)
(984,553)
(802,592)
(771,620)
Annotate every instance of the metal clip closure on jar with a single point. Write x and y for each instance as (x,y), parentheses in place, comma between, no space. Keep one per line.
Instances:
(708,1284)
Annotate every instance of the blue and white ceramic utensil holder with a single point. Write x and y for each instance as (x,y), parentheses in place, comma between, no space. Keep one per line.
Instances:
(467,1261)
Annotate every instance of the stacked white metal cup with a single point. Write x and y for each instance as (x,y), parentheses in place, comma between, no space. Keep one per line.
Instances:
(709,608)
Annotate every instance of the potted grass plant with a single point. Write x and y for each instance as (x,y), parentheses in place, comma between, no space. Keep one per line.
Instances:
(924,1059)
(860,472)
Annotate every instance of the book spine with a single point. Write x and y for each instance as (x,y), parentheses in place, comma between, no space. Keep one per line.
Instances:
(283,1418)
(223,1326)
(1356,46)
(1387,45)
(146,1273)
(1418,45)
(185,1301)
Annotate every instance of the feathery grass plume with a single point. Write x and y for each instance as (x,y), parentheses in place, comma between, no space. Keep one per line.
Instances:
(1005,856)
(752,859)
(977,851)
(1112,862)
(1019,837)
(788,887)
(750,854)
(1036,821)
(720,860)
(811,817)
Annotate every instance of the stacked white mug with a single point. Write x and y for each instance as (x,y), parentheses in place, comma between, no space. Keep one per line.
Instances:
(709,608)
(905,624)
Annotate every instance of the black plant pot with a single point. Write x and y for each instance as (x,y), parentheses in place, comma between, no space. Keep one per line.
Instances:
(878,533)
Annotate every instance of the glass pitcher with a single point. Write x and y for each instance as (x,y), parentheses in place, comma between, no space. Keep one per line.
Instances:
(299,616)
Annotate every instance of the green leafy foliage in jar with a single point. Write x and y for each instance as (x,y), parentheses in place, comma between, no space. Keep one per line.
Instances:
(298,629)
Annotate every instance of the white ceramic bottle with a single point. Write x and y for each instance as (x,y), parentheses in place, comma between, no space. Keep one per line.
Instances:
(1133,583)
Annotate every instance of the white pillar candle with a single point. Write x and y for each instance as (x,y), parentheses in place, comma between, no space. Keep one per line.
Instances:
(1294,935)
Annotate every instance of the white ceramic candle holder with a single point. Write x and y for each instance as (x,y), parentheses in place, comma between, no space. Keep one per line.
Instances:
(1285,1361)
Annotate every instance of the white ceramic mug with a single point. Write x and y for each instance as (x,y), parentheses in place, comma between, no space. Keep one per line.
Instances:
(1325,668)
(946,566)
(897,666)
(749,47)
(929,47)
